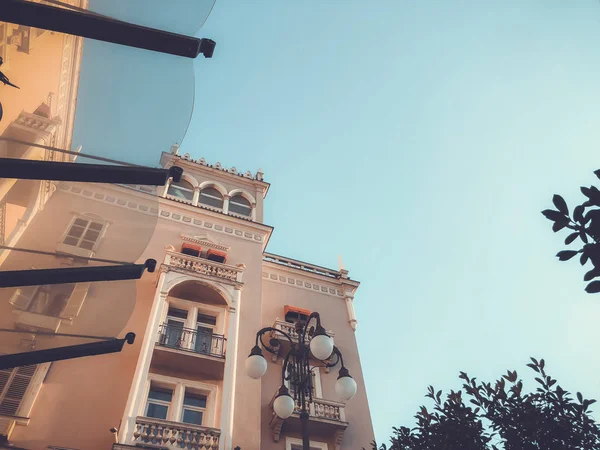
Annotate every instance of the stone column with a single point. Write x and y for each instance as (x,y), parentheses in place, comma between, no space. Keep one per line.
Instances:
(196,196)
(167,186)
(226,204)
(140,376)
(228,400)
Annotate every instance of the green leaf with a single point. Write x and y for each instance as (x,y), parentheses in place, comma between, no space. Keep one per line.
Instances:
(565,255)
(593,287)
(570,238)
(580,397)
(584,258)
(560,204)
(559,225)
(583,236)
(550,214)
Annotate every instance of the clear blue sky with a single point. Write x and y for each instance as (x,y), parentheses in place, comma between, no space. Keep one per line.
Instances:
(420,140)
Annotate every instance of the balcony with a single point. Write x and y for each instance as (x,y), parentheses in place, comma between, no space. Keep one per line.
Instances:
(327,418)
(188,350)
(290,329)
(173,435)
(204,268)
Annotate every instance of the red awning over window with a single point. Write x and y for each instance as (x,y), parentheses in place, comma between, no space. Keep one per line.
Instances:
(215,255)
(194,248)
(287,309)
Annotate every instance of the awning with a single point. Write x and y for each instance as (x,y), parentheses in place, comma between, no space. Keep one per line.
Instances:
(212,252)
(287,309)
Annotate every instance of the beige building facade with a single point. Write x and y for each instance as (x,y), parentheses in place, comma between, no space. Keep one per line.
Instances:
(181,384)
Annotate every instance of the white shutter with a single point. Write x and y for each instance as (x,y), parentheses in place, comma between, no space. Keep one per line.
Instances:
(13,386)
(76,300)
(23,297)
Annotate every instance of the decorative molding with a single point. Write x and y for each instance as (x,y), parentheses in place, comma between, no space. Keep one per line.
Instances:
(125,201)
(206,241)
(259,176)
(211,225)
(303,284)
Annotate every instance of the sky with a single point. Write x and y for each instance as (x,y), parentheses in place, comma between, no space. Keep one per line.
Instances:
(419,140)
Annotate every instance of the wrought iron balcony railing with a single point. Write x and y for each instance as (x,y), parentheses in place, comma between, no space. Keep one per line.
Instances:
(191,340)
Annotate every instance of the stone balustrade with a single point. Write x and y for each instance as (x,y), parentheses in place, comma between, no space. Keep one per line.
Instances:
(203,266)
(175,435)
(289,329)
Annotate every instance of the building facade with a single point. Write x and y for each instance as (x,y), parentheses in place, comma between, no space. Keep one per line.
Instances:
(181,384)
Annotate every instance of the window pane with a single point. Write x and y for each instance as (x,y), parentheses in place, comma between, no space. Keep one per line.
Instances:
(70,241)
(190,416)
(76,231)
(204,318)
(240,205)
(157,411)
(174,312)
(197,400)
(160,394)
(80,222)
(95,226)
(211,197)
(182,189)
(91,235)
(87,245)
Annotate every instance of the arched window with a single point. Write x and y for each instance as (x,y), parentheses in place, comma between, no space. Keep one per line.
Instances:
(182,189)
(239,205)
(211,197)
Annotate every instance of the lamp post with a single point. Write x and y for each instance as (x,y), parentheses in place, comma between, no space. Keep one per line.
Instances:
(297,371)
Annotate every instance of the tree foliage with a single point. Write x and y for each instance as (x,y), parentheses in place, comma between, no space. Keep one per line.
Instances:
(584,225)
(501,416)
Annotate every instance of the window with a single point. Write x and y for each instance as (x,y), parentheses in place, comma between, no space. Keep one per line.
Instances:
(84,233)
(179,400)
(239,205)
(159,401)
(57,300)
(13,386)
(211,197)
(296,444)
(205,326)
(191,250)
(194,407)
(182,190)
(174,334)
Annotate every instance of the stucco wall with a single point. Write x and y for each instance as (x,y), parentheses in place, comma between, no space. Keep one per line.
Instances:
(335,318)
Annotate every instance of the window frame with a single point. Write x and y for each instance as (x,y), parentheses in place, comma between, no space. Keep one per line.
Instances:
(149,400)
(191,407)
(91,219)
(181,189)
(296,444)
(175,413)
(232,202)
(222,198)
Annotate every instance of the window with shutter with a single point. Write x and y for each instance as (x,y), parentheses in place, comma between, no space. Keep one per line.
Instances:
(23,297)
(75,301)
(13,387)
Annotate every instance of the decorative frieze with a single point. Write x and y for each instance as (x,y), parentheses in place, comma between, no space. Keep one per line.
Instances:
(303,284)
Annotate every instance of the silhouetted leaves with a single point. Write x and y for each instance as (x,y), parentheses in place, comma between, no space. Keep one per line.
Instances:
(593,287)
(545,419)
(578,213)
(585,225)
(570,238)
(565,255)
(560,204)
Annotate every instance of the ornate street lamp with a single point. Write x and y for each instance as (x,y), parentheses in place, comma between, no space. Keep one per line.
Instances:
(297,371)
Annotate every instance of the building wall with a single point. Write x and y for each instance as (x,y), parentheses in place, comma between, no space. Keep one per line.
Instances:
(334,317)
